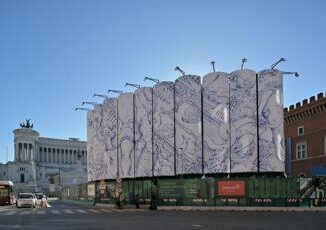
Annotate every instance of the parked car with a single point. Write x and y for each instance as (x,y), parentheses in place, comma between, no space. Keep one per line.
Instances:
(26,200)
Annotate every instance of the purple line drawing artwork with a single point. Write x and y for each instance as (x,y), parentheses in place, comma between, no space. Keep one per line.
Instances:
(98,143)
(216,123)
(243,118)
(90,140)
(163,129)
(188,125)
(126,135)
(271,128)
(143,132)
(110,116)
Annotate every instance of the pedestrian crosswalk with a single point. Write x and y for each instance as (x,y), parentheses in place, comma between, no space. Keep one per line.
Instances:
(42,212)
(68,211)
(80,211)
(13,212)
(93,210)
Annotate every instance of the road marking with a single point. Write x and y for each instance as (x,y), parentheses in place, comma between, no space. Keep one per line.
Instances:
(117,210)
(69,211)
(93,210)
(130,210)
(40,212)
(80,211)
(25,212)
(55,211)
(197,225)
(9,213)
(106,210)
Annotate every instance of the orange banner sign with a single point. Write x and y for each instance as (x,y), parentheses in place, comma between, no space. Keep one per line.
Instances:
(231,188)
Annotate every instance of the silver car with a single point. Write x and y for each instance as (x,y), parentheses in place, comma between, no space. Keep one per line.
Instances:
(26,200)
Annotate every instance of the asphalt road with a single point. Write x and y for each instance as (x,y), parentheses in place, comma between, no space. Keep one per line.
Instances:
(67,215)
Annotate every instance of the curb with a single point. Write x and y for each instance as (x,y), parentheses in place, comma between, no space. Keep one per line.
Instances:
(7,206)
(252,209)
(125,206)
(105,205)
(211,208)
(79,202)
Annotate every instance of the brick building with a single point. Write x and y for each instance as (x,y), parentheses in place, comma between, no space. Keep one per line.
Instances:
(305,134)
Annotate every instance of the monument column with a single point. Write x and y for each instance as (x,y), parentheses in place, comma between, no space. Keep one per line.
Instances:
(32,152)
(16,152)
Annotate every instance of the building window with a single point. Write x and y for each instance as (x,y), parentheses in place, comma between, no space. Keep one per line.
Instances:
(301,151)
(300,131)
(22,178)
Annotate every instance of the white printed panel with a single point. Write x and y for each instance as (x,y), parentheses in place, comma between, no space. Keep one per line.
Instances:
(98,143)
(110,126)
(216,134)
(126,135)
(188,133)
(163,129)
(271,126)
(143,132)
(243,117)
(90,141)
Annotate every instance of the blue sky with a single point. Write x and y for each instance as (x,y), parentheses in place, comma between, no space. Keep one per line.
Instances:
(56,54)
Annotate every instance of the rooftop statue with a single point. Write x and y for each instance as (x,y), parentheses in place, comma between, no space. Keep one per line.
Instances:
(28,124)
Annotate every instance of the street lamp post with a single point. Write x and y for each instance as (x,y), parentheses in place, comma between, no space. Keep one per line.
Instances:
(152,79)
(243,60)
(133,85)
(213,65)
(89,103)
(84,109)
(59,184)
(177,68)
(115,91)
(100,95)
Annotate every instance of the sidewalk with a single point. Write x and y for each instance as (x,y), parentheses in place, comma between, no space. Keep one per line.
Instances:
(235,208)
(127,206)
(84,202)
(7,206)
(211,208)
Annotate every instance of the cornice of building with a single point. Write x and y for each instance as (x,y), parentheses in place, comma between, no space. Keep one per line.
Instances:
(305,109)
(46,141)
